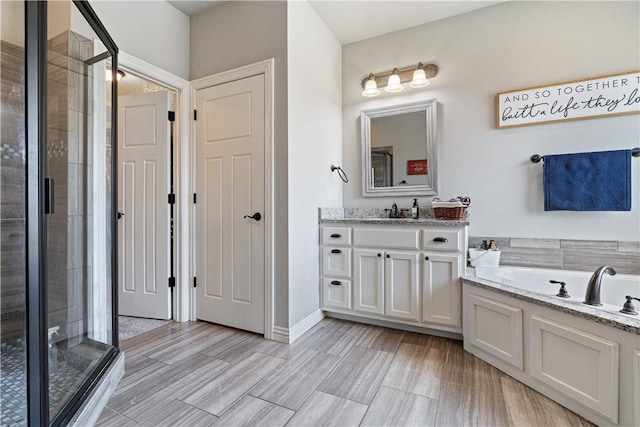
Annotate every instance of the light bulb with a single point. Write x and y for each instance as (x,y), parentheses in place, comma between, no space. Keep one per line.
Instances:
(393,84)
(371,87)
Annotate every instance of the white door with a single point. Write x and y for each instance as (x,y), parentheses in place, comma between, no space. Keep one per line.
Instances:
(368,281)
(401,285)
(143,186)
(230,186)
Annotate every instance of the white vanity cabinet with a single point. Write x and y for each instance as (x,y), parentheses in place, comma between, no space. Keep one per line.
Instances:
(408,274)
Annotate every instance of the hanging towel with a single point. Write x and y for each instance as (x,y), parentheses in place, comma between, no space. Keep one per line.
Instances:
(599,181)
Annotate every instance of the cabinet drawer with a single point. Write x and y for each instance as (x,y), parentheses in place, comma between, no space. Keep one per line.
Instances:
(336,293)
(386,238)
(336,261)
(443,240)
(336,236)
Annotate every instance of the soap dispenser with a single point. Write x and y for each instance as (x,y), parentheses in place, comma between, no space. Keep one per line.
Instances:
(414,209)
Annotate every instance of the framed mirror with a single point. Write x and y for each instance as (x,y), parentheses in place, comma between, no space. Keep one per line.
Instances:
(399,150)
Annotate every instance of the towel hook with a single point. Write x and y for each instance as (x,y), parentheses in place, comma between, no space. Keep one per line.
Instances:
(341,173)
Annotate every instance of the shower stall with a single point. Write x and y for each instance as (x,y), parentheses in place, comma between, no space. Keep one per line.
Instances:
(58,330)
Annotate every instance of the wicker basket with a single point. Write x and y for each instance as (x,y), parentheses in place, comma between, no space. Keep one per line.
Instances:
(457,213)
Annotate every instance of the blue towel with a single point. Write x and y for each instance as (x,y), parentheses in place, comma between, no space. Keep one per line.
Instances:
(599,181)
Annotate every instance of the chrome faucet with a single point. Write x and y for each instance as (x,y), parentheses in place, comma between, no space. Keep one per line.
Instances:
(592,296)
(394,212)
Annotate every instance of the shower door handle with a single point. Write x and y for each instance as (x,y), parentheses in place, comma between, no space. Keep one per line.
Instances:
(49,196)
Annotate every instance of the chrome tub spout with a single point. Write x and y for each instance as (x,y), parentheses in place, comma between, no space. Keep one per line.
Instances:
(592,296)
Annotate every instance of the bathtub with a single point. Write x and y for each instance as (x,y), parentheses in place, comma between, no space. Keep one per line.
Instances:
(584,357)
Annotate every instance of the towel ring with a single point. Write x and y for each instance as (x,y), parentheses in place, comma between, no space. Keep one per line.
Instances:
(341,173)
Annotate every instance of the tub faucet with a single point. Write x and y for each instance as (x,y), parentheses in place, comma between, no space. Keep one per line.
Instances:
(592,296)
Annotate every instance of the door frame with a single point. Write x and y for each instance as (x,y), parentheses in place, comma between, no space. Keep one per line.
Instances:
(265,68)
(182,164)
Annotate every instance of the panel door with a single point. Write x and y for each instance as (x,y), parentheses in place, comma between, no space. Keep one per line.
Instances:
(230,187)
(401,285)
(441,289)
(143,185)
(368,281)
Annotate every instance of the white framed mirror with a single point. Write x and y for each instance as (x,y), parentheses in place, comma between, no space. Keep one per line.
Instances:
(399,150)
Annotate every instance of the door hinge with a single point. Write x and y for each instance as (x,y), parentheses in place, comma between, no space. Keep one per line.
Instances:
(194,198)
(194,282)
(172,282)
(195,115)
(172,116)
(172,199)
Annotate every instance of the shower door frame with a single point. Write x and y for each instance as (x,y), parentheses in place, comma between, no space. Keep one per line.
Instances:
(36,221)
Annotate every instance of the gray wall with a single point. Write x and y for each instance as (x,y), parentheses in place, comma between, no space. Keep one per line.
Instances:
(504,47)
(232,35)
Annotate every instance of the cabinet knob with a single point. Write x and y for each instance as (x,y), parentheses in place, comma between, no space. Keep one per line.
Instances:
(388,256)
(379,255)
(426,258)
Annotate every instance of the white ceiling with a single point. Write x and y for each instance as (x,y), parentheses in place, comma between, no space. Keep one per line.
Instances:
(355,20)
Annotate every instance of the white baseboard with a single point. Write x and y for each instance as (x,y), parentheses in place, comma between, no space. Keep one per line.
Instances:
(304,325)
(289,335)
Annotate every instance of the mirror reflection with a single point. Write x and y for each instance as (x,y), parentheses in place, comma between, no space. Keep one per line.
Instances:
(399,150)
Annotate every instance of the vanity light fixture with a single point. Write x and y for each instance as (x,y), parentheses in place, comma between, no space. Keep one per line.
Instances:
(393,81)
(120,73)
(370,87)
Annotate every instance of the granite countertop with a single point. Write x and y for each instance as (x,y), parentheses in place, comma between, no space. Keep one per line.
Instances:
(620,321)
(366,215)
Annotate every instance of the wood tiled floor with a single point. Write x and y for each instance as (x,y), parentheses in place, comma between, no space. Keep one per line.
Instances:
(339,373)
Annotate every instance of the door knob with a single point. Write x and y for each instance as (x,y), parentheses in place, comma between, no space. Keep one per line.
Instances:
(119,215)
(255,216)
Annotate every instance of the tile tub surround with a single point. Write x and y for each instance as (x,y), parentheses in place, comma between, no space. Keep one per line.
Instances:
(368,215)
(581,255)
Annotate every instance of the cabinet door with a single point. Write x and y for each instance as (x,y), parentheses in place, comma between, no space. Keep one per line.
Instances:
(401,285)
(441,293)
(368,280)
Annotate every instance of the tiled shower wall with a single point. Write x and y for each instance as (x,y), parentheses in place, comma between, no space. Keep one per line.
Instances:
(584,255)
(12,188)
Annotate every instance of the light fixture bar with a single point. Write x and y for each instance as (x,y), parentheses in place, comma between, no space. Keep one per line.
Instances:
(406,74)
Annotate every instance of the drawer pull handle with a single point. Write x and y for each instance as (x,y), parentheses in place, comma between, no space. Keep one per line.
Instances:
(426,258)
(440,239)
(336,251)
(336,283)
(336,236)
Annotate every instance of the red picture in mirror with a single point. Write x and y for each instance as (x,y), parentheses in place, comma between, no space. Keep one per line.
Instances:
(417,167)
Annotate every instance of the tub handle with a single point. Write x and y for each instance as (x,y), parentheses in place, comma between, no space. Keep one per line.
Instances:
(562,293)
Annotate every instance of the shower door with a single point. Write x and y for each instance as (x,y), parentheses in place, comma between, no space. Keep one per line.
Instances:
(56,209)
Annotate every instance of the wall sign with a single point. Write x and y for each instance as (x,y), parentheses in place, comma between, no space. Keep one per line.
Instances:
(417,167)
(601,96)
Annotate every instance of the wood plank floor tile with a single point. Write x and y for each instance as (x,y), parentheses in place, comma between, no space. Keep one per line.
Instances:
(222,391)
(393,407)
(324,409)
(333,336)
(149,341)
(189,326)
(195,341)
(379,338)
(359,374)
(454,363)
(235,346)
(526,407)
(416,369)
(292,384)
(111,418)
(251,411)
(157,391)
(177,414)
(138,369)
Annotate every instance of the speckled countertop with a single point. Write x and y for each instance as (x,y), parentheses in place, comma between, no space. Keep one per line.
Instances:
(381,216)
(620,321)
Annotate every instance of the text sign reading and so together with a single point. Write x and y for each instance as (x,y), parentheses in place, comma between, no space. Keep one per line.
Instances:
(597,97)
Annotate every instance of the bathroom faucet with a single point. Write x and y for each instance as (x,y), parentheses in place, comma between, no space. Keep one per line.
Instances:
(394,212)
(592,296)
